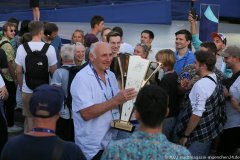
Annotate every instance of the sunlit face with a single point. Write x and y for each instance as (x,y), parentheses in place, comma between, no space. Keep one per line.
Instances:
(181,42)
(219,43)
(115,43)
(105,33)
(10,33)
(100,26)
(231,61)
(103,58)
(138,50)
(77,37)
(145,38)
(79,53)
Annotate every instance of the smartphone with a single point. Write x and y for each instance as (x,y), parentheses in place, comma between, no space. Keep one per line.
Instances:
(194,13)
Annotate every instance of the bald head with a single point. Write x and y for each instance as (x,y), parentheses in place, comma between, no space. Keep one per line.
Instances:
(99,47)
(100,56)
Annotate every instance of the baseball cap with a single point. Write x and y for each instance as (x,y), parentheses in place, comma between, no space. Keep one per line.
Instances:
(89,39)
(231,51)
(220,36)
(46,101)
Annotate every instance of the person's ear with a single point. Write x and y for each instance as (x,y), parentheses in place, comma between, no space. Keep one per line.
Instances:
(91,57)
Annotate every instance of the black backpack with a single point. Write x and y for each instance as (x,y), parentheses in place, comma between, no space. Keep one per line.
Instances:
(36,63)
(73,70)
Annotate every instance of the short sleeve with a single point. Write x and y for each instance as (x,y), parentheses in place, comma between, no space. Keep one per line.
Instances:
(2,84)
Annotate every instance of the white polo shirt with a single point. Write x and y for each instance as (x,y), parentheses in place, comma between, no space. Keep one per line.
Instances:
(92,135)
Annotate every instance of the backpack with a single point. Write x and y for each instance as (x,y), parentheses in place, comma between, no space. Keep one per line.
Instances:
(36,63)
(73,70)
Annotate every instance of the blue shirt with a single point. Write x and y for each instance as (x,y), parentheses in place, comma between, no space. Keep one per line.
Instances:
(57,44)
(142,145)
(182,62)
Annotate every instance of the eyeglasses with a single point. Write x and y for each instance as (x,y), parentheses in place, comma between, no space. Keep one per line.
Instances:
(13,30)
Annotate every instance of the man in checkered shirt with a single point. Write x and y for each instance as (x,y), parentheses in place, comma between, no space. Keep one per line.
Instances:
(204,116)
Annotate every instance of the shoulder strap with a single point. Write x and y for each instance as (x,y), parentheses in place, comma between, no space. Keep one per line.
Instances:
(27,48)
(45,48)
(210,79)
(68,89)
(4,42)
(58,149)
(228,82)
(65,67)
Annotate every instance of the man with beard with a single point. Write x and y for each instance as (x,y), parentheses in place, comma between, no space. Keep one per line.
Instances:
(203,117)
(230,139)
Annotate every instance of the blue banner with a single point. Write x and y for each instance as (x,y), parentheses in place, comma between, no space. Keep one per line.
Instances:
(209,21)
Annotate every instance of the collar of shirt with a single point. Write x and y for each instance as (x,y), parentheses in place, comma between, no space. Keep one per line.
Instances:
(148,136)
(182,57)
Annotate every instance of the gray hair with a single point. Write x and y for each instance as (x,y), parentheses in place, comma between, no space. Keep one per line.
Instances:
(93,47)
(67,52)
(92,50)
(80,45)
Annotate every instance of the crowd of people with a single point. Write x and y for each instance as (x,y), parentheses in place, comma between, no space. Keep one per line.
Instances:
(190,109)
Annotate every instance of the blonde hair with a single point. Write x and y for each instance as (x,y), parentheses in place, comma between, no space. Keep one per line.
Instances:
(168,58)
(82,34)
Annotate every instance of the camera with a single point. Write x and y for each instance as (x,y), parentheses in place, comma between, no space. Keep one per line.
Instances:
(194,13)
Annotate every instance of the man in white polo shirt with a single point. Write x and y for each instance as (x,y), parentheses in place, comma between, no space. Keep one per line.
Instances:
(95,102)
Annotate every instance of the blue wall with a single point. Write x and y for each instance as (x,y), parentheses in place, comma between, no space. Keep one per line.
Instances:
(151,12)
(125,11)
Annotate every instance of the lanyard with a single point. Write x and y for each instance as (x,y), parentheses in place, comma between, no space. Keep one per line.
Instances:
(43,130)
(115,112)
(98,79)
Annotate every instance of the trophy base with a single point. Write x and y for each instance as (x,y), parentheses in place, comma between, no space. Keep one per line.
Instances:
(122,125)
